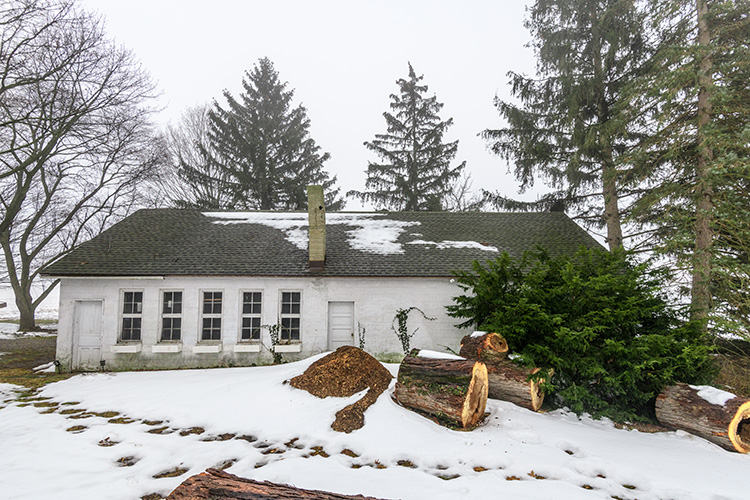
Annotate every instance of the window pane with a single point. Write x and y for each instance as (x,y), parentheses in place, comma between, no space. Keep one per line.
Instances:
(127,303)
(176,302)
(172,303)
(211,302)
(211,329)
(171,328)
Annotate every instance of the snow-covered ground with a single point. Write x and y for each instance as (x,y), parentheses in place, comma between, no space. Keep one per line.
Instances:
(275,432)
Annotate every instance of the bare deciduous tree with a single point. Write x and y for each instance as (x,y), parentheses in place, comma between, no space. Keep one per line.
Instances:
(75,139)
(191,177)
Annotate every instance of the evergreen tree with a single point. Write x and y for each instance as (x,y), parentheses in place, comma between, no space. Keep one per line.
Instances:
(415,172)
(697,148)
(263,146)
(570,128)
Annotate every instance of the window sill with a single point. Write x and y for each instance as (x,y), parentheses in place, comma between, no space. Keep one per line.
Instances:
(130,348)
(247,348)
(176,347)
(288,348)
(206,348)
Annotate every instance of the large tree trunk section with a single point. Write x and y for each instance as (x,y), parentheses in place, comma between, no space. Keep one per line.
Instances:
(680,407)
(509,382)
(487,347)
(218,485)
(452,390)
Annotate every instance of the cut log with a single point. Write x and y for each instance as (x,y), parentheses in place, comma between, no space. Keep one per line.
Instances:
(487,347)
(681,407)
(454,391)
(219,485)
(509,382)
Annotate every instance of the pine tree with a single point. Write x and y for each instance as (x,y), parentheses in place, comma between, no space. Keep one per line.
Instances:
(415,172)
(264,147)
(697,148)
(570,128)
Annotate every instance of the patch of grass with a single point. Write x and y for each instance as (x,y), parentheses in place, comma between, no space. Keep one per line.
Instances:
(174,472)
(319,451)
(106,442)
(22,355)
(127,461)
(76,428)
(27,378)
(225,464)
(106,414)
(192,430)
(390,357)
(160,430)
(40,321)
(121,420)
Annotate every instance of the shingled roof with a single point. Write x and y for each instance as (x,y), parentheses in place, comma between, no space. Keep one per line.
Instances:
(174,242)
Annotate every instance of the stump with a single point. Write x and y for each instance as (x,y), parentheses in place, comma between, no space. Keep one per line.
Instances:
(487,347)
(728,425)
(218,485)
(509,382)
(453,391)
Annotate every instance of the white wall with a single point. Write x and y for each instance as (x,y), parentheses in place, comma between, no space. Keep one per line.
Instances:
(376,302)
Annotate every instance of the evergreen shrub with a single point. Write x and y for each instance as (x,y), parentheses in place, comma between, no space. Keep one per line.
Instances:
(600,321)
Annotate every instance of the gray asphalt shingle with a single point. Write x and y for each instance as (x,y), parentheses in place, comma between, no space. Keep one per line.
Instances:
(174,242)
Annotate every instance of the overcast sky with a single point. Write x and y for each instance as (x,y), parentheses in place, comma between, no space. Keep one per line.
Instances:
(342,58)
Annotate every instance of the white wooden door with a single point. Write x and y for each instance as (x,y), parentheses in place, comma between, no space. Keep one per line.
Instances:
(340,324)
(87,334)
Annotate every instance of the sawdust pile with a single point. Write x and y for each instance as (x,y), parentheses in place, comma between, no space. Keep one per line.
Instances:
(343,373)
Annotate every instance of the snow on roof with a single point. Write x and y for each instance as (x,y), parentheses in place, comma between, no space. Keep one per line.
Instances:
(455,244)
(369,233)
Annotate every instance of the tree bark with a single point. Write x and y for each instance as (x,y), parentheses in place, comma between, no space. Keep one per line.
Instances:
(701,279)
(509,382)
(487,347)
(218,485)
(451,390)
(680,407)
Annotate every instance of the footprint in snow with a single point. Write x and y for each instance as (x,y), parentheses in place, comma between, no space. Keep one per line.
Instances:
(570,449)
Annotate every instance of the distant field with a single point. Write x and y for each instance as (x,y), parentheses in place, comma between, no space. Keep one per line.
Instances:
(46,313)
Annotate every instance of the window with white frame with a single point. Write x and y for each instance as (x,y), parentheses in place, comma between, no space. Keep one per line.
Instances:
(171,315)
(290,316)
(211,316)
(252,303)
(132,314)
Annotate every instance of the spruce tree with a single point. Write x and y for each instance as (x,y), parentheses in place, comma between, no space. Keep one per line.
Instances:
(263,145)
(415,171)
(569,128)
(697,149)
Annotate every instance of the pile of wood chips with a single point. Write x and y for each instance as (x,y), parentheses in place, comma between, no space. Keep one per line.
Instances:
(343,373)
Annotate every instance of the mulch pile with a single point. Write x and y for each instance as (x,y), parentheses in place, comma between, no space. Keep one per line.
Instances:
(343,373)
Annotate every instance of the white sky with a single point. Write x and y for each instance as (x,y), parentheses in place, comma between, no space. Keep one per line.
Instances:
(342,58)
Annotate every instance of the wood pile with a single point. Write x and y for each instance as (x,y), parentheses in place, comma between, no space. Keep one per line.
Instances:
(484,346)
(219,485)
(451,391)
(507,381)
(727,424)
